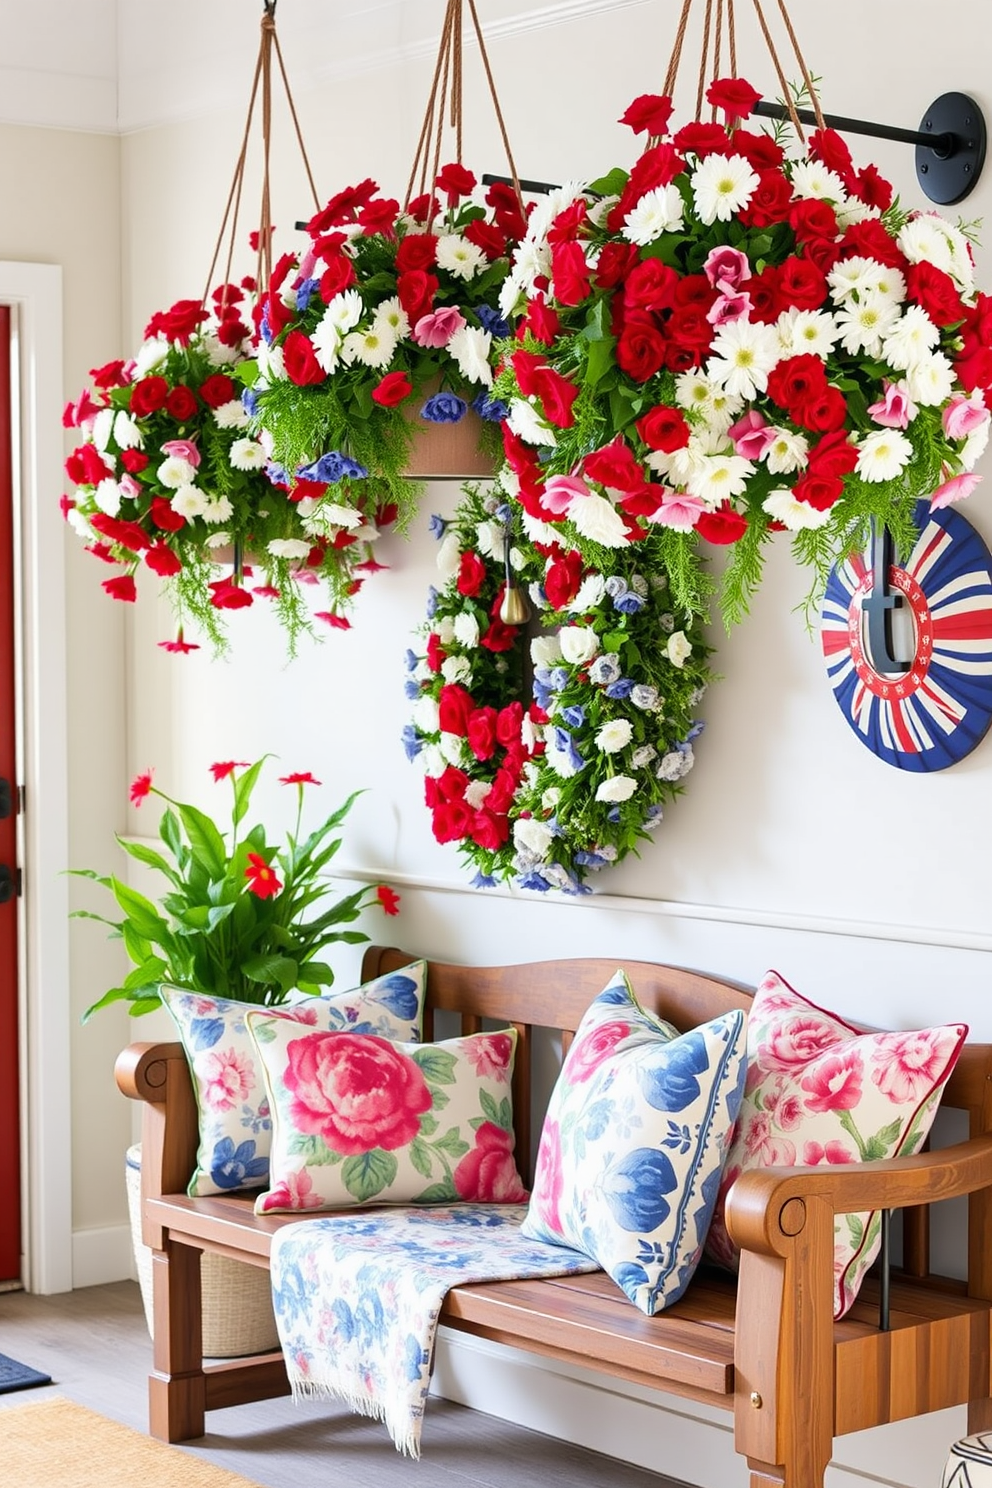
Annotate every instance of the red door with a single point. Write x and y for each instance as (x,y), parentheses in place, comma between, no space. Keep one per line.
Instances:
(10,1181)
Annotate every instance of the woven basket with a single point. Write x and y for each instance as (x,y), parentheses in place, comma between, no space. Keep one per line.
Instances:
(237,1300)
(446,451)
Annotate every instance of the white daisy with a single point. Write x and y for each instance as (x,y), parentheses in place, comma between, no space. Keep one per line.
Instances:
(231,415)
(615,735)
(453,747)
(188,501)
(466,630)
(103,427)
(126,431)
(860,276)
(787,452)
(174,472)
(288,547)
(883,454)
(657,212)
(471,349)
(694,391)
(783,507)
(863,324)
(721,185)
(811,179)
(247,454)
(590,594)
(151,353)
(459,257)
(271,367)
(720,477)
(490,539)
(742,357)
(373,348)
(107,496)
(327,340)
(79,524)
(975,445)
(524,420)
(391,315)
(598,520)
(217,509)
(923,240)
(806,331)
(341,516)
(220,539)
(930,381)
(456,669)
(910,339)
(219,355)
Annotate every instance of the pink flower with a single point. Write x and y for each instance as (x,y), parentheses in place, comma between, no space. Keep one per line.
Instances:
(549,1180)
(679,511)
(895,409)
(752,436)
(228,1077)
(491,1057)
(726,269)
(833,1152)
(128,486)
(356,1091)
(487,1173)
(796,1041)
(561,491)
(588,1052)
(295,1191)
(953,490)
(765,1149)
(438,328)
(788,1112)
(728,308)
(834,1083)
(182,449)
(908,1066)
(963,416)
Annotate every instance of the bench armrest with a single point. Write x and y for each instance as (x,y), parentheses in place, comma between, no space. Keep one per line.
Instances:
(158,1075)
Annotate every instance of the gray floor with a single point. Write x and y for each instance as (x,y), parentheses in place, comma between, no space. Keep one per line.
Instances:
(95,1345)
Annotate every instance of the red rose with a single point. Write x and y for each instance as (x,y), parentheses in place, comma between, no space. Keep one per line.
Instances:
(658,166)
(86,466)
(217,390)
(164,516)
(936,292)
(834,454)
(650,285)
(416,289)
(557,395)
(435,652)
(702,140)
(162,560)
(643,500)
(229,596)
(455,708)
(110,375)
(499,636)
(509,722)
(127,534)
(665,429)
(733,96)
(569,273)
(827,146)
(503,789)
(681,358)
(640,351)
(482,733)
(796,380)
(471,574)
(487,1173)
(343,207)
(379,217)
(873,189)
(300,360)
(688,327)
(801,284)
(828,411)
(507,211)
(563,580)
(809,217)
(818,491)
(526,365)
(565,227)
(134,461)
(974,369)
(766,300)
(822,252)
(122,586)
(870,239)
(181,403)
(488,237)
(416,251)
(723,526)
(615,262)
(148,396)
(542,322)
(355,1093)
(392,389)
(456,181)
(452,821)
(648,114)
(759,150)
(337,277)
(769,201)
(451,785)
(177,323)
(614,465)
(490,831)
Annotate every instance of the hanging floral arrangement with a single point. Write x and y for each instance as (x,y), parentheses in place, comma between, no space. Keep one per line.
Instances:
(729,340)
(168,478)
(386,322)
(546,760)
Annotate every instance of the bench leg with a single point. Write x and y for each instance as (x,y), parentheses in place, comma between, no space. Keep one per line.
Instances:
(980,1415)
(764,1476)
(176,1386)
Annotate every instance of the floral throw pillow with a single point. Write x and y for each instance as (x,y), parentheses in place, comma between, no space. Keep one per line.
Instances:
(820,1091)
(357,1119)
(634,1141)
(233,1104)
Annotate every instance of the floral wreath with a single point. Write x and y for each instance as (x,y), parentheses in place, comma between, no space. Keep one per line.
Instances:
(724,342)
(388,315)
(544,788)
(168,476)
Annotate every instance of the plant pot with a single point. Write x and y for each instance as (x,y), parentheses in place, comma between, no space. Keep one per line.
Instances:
(446,451)
(237,1298)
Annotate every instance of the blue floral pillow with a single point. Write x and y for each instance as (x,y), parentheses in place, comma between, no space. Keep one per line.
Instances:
(235,1121)
(632,1149)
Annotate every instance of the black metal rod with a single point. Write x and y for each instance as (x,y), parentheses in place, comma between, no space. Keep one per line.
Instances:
(539,188)
(941,144)
(885,1262)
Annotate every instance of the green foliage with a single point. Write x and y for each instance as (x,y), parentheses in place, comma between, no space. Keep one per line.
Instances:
(239,917)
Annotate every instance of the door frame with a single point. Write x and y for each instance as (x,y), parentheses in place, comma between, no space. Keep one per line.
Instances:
(34,291)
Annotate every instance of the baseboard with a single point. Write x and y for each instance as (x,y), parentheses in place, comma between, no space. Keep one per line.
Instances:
(690,1443)
(99,1256)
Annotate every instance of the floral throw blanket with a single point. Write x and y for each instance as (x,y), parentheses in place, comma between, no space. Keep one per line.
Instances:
(357,1298)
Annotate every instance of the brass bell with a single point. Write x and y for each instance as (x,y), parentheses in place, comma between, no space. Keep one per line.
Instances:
(514,610)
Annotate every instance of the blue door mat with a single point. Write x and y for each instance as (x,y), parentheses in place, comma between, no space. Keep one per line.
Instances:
(14,1376)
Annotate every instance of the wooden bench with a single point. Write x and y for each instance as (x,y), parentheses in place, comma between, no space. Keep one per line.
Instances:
(763,1346)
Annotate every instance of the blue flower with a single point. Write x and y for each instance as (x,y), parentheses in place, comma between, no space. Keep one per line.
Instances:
(353,470)
(575,716)
(672,1082)
(231,1166)
(629,603)
(249,401)
(694,733)
(204,1032)
(493,410)
(533,880)
(304,294)
(432,598)
(416,1358)
(410,659)
(398,993)
(278,474)
(482,881)
(504,514)
(411,689)
(412,743)
(633,1187)
(264,329)
(436,526)
(331,468)
(491,321)
(444,408)
(613,815)
(558,678)
(593,860)
(620,689)
(565,744)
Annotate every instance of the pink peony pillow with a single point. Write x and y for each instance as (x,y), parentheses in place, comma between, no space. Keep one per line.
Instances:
(358,1119)
(820,1091)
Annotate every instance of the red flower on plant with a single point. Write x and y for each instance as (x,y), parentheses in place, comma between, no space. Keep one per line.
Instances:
(336,622)
(122,587)
(141,786)
(148,396)
(392,389)
(181,403)
(165,516)
(179,646)
(262,880)
(162,560)
(455,181)
(471,574)
(217,389)
(388,899)
(229,596)
(648,114)
(222,769)
(733,96)
(300,360)
(299,777)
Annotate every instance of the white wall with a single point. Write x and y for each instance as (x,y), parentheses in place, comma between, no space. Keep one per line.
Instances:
(792,846)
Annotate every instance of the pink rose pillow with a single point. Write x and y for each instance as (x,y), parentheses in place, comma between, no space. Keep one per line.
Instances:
(820,1091)
(358,1119)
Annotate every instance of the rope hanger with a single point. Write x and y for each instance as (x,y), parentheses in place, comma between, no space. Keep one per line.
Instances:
(268,42)
(445,100)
